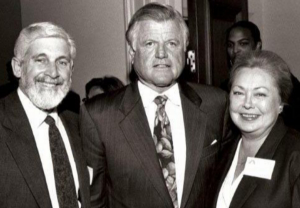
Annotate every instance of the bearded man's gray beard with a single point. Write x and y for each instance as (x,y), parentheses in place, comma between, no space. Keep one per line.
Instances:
(45,99)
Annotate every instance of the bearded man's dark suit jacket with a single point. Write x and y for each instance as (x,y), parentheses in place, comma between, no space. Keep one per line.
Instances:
(119,147)
(282,191)
(22,179)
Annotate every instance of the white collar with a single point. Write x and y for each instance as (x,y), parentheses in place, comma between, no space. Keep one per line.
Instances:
(148,95)
(35,115)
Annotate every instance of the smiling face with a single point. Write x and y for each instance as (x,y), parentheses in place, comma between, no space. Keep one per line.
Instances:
(240,41)
(45,73)
(254,102)
(158,53)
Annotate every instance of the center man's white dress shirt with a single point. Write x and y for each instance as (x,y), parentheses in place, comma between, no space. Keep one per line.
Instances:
(174,111)
(40,131)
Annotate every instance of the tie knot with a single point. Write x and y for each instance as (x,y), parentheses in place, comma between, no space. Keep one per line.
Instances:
(49,120)
(161,100)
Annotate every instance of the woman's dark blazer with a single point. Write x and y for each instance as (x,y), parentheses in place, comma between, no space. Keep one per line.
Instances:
(282,191)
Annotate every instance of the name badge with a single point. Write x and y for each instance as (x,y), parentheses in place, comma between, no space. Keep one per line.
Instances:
(261,168)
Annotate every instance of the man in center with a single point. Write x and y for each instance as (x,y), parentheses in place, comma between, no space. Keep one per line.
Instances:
(154,142)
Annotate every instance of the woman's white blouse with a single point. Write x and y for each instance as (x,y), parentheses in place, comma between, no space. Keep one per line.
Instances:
(229,186)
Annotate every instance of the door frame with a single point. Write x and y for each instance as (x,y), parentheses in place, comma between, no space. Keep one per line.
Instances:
(199,16)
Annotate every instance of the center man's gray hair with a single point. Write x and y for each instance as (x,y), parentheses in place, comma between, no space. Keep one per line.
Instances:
(159,13)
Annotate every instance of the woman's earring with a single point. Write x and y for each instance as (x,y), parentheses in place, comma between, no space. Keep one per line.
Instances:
(280,108)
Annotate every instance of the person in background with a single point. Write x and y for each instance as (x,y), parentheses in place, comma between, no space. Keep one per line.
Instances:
(102,85)
(154,142)
(41,157)
(259,166)
(241,37)
(244,37)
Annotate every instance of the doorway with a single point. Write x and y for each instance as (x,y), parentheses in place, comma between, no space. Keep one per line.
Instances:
(208,21)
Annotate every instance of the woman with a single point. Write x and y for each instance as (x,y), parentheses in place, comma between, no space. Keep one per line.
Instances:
(259,166)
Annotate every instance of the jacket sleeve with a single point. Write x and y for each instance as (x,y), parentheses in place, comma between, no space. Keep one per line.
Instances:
(95,156)
(296,193)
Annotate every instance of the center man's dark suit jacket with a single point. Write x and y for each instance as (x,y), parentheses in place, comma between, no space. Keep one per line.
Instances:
(282,191)
(22,180)
(119,147)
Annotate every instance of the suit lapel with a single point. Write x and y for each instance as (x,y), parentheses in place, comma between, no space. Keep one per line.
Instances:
(137,132)
(266,151)
(22,146)
(244,191)
(226,157)
(71,126)
(246,186)
(195,126)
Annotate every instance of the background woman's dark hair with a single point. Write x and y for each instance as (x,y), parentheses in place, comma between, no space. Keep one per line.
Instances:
(107,84)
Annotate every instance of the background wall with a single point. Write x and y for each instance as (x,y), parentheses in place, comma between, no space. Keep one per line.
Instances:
(10,26)
(279,22)
(98,29)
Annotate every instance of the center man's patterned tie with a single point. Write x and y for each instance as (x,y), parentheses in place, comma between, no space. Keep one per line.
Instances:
(65,186)
(164,146)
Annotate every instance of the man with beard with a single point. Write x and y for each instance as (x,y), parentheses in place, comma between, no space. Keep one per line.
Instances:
(40,148)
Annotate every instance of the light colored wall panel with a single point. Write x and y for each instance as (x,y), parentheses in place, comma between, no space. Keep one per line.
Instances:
(279,22)
(98,29)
